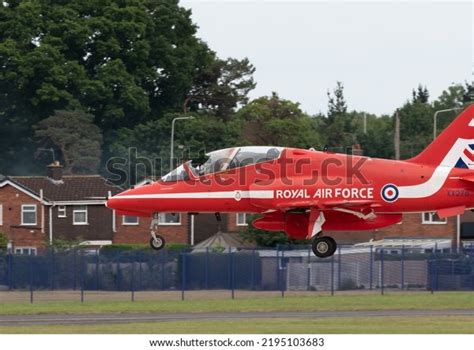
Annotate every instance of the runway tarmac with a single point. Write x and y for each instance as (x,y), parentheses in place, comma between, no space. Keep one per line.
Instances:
(14,320)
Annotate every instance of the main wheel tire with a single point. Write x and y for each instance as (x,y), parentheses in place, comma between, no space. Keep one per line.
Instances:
(324,247)
(159,243)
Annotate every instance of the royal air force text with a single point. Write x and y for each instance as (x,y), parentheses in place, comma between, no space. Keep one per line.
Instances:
(324,193)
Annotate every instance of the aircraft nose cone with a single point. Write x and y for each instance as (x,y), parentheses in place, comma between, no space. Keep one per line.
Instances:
(116,203)
(112,203)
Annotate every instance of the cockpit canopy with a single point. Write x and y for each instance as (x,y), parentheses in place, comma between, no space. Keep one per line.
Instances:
(225,159)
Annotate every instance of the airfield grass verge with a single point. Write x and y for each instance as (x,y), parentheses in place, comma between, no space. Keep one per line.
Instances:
(405,301)
(331,325)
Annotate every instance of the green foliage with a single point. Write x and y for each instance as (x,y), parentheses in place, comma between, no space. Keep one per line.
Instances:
(339,134)
(275,121)
(337,105)
(3,241)
(420,95)
(77,138)
(221,86)
(124,62)
(65,244)
(378,140)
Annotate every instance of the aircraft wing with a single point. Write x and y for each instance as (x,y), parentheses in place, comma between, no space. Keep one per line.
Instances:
(328,205)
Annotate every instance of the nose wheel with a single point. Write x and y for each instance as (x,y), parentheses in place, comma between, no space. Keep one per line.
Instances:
(157,241)
(324,247)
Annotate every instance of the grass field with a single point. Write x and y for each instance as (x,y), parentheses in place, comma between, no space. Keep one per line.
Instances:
(395,324)
(405,301)
(391,325)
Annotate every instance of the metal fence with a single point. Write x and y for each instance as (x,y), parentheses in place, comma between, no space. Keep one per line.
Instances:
(282,270)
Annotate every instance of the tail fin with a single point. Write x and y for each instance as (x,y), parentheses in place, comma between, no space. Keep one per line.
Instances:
(454,147)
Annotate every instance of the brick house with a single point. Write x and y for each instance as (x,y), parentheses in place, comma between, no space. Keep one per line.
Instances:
(36,210)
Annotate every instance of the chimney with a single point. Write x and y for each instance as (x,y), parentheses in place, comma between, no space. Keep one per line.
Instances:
(55,171)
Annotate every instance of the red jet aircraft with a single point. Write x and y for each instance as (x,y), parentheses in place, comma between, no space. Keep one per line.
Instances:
(304,192)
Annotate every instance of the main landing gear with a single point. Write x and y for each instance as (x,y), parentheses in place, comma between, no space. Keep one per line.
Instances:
(157,242)
(323,246)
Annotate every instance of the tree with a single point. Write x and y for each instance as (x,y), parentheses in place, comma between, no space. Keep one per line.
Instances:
(416,128)
(452,97)
(337,105)
(378,140)
(421,94)
(221,87)
(75,136)
(468,96)
(338,129)
(276,121)
(125,62)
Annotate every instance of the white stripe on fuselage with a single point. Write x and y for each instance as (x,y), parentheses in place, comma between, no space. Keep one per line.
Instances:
(440,175)
(200,195)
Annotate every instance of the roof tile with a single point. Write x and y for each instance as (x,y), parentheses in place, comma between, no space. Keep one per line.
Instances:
(70,188)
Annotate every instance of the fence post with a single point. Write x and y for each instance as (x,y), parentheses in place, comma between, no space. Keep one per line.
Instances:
(183,275)
(277,268)
(332,274)
(231,272)
(371,267)
(119,273)
(436,267)
(433,270)
(382,282)
(140,258)
(82,268)
(132,278)
(472,275)
(74,268)
(206,269)
(282,278)
(30,260)
(308,272)
(403,267)
(252,271)
(10,271)
(339,263)
(52,268)
(163,268)
(97,266)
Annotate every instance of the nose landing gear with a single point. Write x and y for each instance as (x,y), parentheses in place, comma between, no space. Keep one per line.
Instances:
(157,241)
(323,246)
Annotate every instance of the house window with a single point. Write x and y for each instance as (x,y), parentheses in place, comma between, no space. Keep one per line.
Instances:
(170,219)
(241,219)
(28,214)
(80,215)
(62,211)
(1,214)
(432,218)
(25,250)
(130,220)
